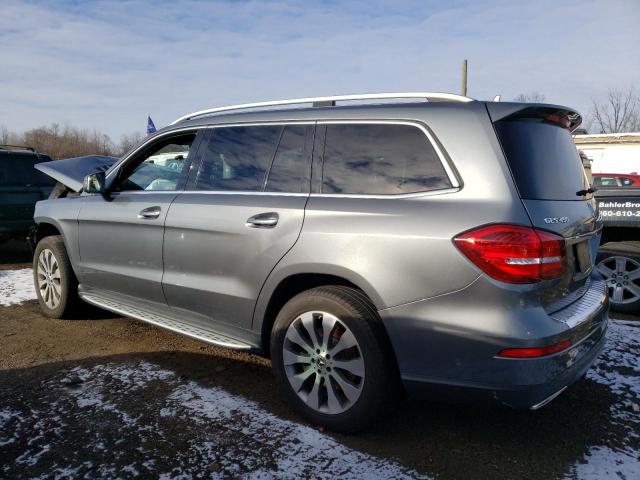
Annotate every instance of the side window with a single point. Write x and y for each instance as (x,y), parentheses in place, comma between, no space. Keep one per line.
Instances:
(289,169)
(237,158)
(17,171)
(605,182)
(160,168)
(383,159)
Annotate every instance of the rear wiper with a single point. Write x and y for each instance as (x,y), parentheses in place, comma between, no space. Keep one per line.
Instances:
(582,193)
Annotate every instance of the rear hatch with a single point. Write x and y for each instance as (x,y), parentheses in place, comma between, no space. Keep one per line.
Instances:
(548,172)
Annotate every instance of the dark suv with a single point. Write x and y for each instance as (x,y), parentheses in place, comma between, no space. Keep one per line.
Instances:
(21,186)
(446,245)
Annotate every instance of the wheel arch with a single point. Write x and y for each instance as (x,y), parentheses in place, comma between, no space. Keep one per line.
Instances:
(45,229)
(280,288)
(47,226)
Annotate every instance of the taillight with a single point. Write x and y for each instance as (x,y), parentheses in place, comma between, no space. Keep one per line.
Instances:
(558,119)
(513,253)
(535,352)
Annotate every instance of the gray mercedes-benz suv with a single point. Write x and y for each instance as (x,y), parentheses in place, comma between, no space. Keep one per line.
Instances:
(445,246)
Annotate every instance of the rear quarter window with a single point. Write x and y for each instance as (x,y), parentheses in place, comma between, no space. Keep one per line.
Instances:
(543,159)
(380,159)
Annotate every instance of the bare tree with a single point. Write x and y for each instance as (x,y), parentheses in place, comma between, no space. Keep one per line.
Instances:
(128,141)
(66,142)
(533,97)
(4,135)
(619,113)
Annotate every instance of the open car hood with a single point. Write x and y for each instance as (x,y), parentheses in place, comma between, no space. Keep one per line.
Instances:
(71,171)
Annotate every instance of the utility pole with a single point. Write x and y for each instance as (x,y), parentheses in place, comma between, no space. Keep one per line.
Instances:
(464,78)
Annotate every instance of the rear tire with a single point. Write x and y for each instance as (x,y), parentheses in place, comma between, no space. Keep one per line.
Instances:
(619,264)
(346,382)
(55,283)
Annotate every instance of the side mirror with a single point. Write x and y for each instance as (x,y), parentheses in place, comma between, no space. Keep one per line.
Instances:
(94,183)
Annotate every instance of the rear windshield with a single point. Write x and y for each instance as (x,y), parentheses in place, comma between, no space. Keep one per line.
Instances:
(543,159)
(18,171)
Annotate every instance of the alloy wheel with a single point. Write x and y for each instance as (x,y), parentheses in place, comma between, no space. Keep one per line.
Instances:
(323,362)
(623,278)
(49,279)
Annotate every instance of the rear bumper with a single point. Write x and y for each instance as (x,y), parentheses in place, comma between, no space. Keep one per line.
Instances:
(455,358)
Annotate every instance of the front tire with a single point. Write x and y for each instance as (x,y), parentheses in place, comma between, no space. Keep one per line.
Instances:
(332,358)
(55,283)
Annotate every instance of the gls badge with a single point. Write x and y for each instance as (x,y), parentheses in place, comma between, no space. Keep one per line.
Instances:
(556,220)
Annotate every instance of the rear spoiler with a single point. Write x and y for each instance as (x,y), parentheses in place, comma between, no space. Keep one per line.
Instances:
(563,116)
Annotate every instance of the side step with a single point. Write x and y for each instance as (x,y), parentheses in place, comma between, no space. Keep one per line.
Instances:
(161,320)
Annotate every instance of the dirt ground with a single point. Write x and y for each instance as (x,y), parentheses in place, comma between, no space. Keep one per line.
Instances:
(51,425)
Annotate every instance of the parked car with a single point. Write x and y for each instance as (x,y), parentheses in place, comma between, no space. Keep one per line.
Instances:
(21,186)
(364,248)
(616,180)
(618,260)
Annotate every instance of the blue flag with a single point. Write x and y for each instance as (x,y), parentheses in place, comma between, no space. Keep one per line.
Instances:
(151,128)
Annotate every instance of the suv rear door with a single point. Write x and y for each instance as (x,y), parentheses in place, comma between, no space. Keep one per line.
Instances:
(550,178)
(243,210)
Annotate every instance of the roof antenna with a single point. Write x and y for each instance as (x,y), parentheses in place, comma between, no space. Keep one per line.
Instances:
(496,98)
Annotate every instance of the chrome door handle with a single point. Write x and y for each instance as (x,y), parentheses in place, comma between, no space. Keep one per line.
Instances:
(263,220)
(149,213)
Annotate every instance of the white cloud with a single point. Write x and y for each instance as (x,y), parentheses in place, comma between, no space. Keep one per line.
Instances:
(107,64)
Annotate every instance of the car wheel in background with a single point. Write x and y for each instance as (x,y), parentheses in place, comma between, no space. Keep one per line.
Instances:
(332,358)
(55,283)
(619,264)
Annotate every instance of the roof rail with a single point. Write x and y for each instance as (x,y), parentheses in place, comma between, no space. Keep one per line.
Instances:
(328,101)
(16,147)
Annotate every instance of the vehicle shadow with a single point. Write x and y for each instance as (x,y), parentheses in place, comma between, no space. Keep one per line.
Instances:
(443,440)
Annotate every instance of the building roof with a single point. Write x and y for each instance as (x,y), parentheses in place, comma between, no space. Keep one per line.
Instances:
(608,138)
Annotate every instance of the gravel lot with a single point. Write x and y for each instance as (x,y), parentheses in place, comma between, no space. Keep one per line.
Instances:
(108,397)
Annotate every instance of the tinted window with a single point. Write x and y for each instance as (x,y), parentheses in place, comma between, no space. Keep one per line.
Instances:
(380,159)
(605,182)
(543,159)
(17,171)
(160,168)
(237,158)
(289,169)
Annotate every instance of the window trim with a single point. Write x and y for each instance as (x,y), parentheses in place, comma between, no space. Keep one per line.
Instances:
(195,129)
(449,171)
(456,183)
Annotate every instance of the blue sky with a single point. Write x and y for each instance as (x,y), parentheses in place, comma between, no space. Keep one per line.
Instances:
(108,64)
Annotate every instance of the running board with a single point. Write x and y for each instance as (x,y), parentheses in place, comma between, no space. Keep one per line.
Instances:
(161,320)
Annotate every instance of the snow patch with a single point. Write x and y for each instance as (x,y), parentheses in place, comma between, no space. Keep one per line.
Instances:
(16,286)
(220,433)
(618,368)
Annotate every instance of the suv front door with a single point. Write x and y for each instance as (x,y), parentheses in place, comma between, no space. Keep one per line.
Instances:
(244,211)
(120,236)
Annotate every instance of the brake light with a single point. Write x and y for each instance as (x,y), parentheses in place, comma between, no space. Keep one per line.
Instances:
(513,253)
(560,120)
(535,351)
